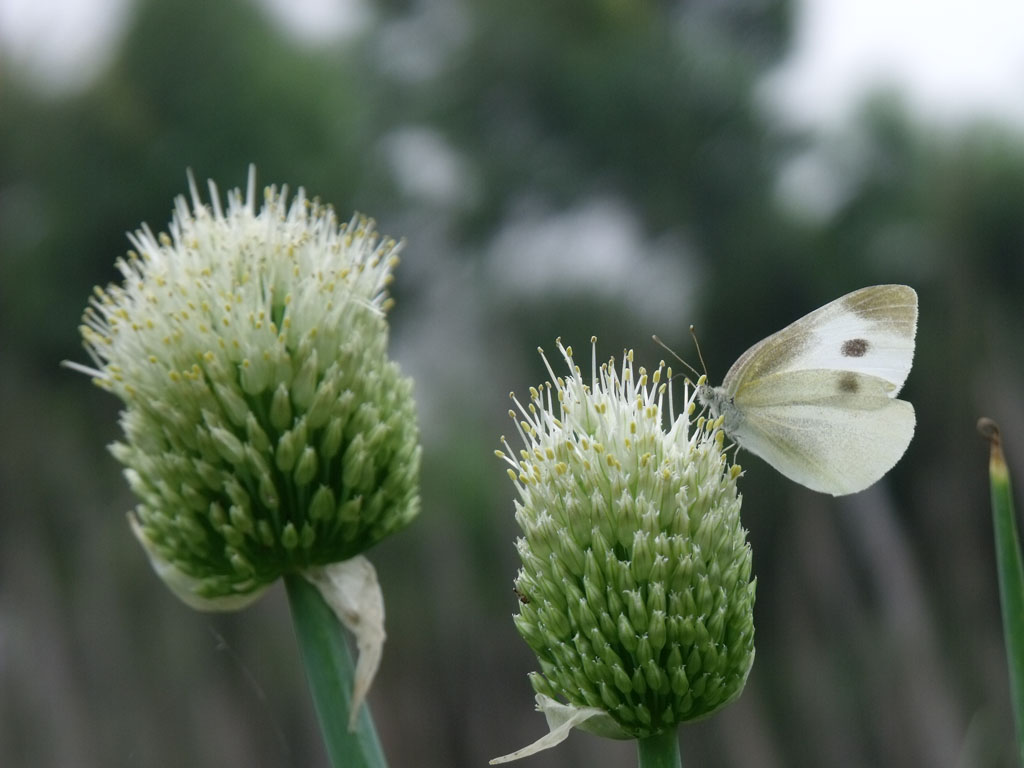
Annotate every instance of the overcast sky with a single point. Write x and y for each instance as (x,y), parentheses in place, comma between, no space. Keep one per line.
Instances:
(953,59)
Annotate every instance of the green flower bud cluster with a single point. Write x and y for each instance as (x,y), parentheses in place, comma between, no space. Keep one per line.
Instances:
(265,428)
(635,588)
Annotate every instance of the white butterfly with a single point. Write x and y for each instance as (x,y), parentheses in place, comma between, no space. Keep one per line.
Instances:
(817,400)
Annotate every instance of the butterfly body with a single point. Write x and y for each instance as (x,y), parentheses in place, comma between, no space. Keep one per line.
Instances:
(817,400)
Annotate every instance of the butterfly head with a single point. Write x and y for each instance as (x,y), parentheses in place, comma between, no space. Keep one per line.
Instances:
(710,397)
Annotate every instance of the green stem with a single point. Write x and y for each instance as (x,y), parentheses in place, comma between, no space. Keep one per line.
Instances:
(329,670)
(659,751)
(1010,571)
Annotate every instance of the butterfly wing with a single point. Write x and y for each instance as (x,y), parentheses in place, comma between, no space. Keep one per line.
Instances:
(870,331)
(817,400)
(834,432)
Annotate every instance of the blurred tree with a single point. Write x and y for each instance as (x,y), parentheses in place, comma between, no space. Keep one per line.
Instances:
(559,169)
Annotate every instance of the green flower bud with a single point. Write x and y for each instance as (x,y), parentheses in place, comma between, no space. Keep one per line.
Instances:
(265,428)
(635,585)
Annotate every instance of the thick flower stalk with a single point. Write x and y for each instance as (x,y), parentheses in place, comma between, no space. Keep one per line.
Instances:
(635,588)
(265,428)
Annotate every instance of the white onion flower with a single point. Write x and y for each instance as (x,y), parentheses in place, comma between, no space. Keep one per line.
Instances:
(265,429)
(635,588)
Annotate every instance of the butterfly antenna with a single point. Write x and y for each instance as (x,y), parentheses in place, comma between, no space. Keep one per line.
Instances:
(668,349)
(693,332)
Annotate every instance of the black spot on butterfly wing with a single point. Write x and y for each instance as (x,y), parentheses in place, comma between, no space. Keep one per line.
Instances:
(848,383)
(855,348)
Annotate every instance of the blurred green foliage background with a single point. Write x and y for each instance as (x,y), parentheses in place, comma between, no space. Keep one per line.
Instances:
(558,169)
